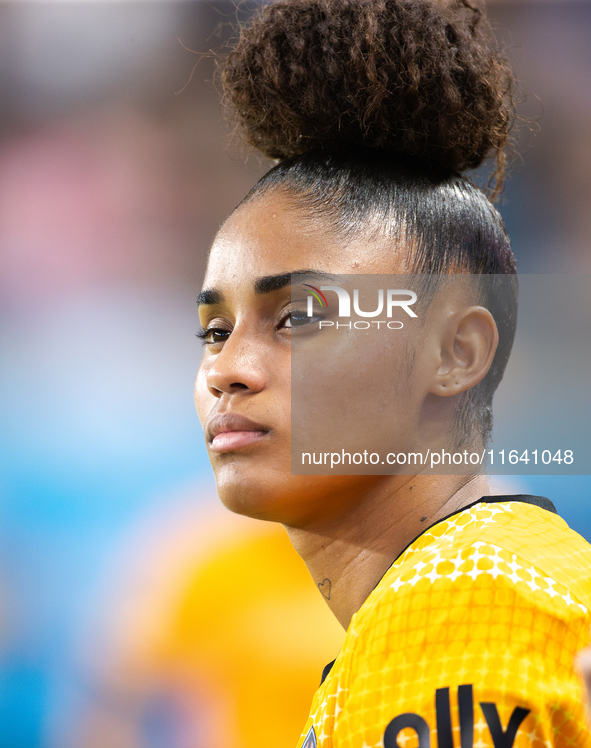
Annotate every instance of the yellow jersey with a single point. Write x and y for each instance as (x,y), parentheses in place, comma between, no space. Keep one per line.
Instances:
(468,640)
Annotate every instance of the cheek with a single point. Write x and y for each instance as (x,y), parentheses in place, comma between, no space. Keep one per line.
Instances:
(357,392)
(201,394)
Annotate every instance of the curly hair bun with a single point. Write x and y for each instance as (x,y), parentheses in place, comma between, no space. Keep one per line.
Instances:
(421,78)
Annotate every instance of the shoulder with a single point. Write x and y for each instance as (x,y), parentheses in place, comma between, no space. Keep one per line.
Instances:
(494,600)
(487,556)
(494,582)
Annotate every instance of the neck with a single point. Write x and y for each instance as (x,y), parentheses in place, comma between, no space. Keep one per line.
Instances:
(347,555)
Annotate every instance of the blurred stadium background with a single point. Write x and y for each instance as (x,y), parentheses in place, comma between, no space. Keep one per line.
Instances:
(134,612)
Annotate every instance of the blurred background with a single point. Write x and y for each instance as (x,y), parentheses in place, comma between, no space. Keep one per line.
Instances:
(134,612)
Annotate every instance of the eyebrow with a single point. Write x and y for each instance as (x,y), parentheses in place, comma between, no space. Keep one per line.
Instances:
(266,284)
(209,296)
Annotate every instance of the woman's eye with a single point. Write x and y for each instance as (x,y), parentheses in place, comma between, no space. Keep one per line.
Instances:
(296,319)
(213,335)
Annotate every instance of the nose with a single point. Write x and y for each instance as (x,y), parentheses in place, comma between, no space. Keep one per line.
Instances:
(238,367)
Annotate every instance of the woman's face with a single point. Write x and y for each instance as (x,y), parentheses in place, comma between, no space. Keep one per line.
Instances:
(243,387)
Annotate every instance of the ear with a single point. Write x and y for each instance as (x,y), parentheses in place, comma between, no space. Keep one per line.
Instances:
(468,346)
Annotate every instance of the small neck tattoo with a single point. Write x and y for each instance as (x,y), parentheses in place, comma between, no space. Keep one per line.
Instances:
(324,588)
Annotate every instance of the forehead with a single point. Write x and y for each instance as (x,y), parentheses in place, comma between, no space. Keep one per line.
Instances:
(270,235)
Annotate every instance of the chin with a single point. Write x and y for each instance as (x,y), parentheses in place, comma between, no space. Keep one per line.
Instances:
(278,496)
(264,495)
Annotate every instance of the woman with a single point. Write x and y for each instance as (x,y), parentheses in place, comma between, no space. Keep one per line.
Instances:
(463,612)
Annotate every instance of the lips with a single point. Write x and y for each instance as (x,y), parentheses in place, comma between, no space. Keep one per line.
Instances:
(226,432)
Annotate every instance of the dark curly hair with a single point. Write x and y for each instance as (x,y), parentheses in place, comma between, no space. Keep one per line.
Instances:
(374,108)
(417,77)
